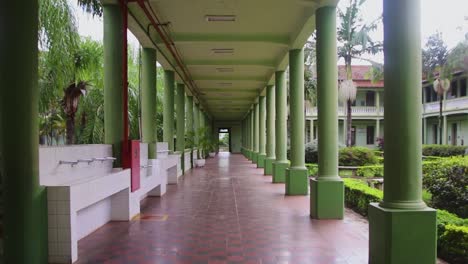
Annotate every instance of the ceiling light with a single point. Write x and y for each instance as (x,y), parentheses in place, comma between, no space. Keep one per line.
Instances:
(220,18)
(225,84)
(225,69)
(223,51)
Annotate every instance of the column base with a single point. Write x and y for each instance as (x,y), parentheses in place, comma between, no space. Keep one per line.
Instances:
(296,181)
(254,157)
(269,166)
(279,171)
(326,199)
(248,154)
(402,236)
(261,160)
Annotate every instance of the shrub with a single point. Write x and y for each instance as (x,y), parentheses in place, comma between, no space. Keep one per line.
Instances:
(311,152)
(370,171)
(452,231)
(358,195)
(447,180)
(357,156)
(443,150)
(312,168)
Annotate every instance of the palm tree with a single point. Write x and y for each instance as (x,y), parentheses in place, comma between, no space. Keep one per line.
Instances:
(436,67)
(87,65)
(58,39)
(355,41)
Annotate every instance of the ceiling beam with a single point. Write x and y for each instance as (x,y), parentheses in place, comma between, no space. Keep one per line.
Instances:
(274,39)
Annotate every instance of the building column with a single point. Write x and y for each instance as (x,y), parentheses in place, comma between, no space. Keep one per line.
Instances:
(377,129)
(196,126)
(148,101)
(180,126)
(296,174)
(424,134)
(311,130)
(256,137)
(402,229)
(327,190)
(113,80)
(252,134)
(24,201)
(444,130)
(168,112)
(249,135)
(270,130)
(189,124)
(261,132)
(281,163)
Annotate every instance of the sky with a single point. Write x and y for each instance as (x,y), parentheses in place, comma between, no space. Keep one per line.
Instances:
(450,17)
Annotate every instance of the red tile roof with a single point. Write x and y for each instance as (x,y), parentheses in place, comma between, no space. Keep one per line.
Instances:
(359,73)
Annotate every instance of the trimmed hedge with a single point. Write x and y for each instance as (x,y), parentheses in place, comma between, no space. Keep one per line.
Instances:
(312,168)
(443,150)
(452,231)
(447,180)
(370,171)
(357,156)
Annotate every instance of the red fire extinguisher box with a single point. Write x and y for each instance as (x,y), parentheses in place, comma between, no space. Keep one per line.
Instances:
(131,160)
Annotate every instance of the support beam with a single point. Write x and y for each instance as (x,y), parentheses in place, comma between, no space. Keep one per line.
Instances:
(148,101)
(256,136)
(189,124)
(113,80)
(281,163)
(402,229)
(168,114)
(296,175)
(327,190)
(270,130)
(24,200)
(261,133)
(180,126)
(196,124)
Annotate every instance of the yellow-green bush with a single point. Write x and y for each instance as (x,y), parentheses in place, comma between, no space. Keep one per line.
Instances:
(452,231)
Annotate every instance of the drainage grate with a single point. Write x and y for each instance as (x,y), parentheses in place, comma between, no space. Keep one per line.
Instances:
(150,217)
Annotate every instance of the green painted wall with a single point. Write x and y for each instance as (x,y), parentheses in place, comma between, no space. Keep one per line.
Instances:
(461,122)
(236,133)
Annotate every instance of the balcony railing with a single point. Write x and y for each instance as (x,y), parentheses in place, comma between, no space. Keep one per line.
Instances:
(449,105)
(428,108)
(356,111)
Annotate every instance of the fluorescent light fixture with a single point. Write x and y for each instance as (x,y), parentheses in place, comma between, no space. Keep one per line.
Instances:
(225,69)
(223,51)
(220,18)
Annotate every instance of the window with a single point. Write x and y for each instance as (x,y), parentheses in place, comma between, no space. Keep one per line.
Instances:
(428,94)
(453,89)
(370,135)
(370,98)
(463,87)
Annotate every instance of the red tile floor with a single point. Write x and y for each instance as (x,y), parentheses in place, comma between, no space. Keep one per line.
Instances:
(228,212)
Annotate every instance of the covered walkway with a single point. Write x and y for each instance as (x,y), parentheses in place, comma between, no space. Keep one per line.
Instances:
(228,212)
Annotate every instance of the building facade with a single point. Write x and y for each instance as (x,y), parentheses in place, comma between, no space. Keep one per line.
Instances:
(368,112)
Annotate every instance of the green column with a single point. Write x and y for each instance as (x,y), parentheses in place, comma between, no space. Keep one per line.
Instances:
(168,112)
(402,229)
(327,190)
(281,163)
(180,126)
(23,199)
(196,124)
(252,133)
(261,133)
(270,129)
(255,133)
(248,136)
(189,125)
(148,100)
(296,175)
(113,80)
